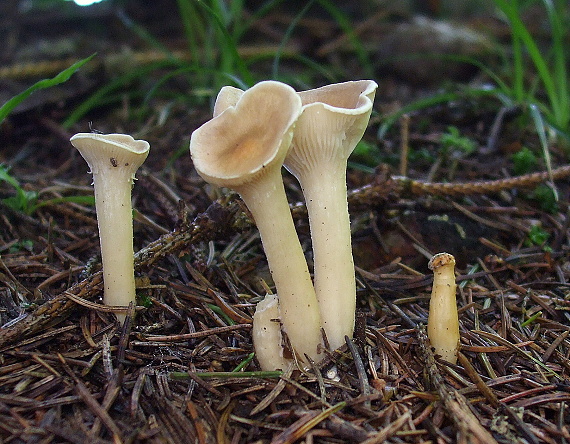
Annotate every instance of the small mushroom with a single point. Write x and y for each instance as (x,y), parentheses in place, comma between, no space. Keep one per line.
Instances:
(266,334)
(243,148)
(333,121)
(113,160)
(443,320)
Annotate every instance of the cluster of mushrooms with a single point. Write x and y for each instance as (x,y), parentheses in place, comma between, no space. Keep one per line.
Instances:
(253,134)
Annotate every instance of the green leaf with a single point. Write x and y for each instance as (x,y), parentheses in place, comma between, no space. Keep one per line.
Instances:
(537,236)
(63,76)
(23,200)
(22,245)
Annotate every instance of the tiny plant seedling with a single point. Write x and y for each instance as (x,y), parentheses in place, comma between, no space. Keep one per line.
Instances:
(524,161)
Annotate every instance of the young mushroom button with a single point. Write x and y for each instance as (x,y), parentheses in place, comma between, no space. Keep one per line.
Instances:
(443,319)
(113,160)
(243,148)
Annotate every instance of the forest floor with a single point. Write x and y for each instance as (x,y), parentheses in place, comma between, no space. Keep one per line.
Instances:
(69,372)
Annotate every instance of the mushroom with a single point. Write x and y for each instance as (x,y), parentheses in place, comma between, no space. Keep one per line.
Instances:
(443,320)
(113,160)
(333,121)
(266,334)
(243,148)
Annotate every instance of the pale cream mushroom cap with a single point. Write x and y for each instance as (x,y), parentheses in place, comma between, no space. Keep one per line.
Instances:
(228,96)
(249,137)
(111,150)
(333,121)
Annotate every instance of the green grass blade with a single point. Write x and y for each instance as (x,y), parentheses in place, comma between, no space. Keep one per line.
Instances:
(243,364)
(520,31)
(227,44)
(98,97)
(344,23)
(285,39)
(518,62)
(81,200)
(6,177)
(235,13)
(192,28)
(62,77)
(560,62)
(518,67)
(541,131)
(142,33)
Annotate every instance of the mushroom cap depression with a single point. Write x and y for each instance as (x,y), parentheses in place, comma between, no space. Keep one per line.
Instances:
(241,142)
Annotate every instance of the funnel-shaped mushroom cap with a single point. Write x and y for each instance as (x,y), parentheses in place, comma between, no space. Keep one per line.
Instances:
(334,119)
(347,95)
(228,96)
(111,151)
(114,159)
(244,140)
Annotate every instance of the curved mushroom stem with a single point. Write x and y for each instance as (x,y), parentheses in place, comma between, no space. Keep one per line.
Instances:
(298,306)
(443,320)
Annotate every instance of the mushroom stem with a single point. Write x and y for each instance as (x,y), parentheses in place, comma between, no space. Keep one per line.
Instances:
(115,220)
(443,320)
(326,199)
(298,306)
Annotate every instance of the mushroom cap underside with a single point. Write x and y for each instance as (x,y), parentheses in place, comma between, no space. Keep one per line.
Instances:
(354,97)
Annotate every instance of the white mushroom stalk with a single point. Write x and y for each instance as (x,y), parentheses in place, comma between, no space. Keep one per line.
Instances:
(333,121)
(243,148)
(443,320)
(113,160)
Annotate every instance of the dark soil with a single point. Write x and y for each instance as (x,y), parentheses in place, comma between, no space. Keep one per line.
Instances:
(71,373)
